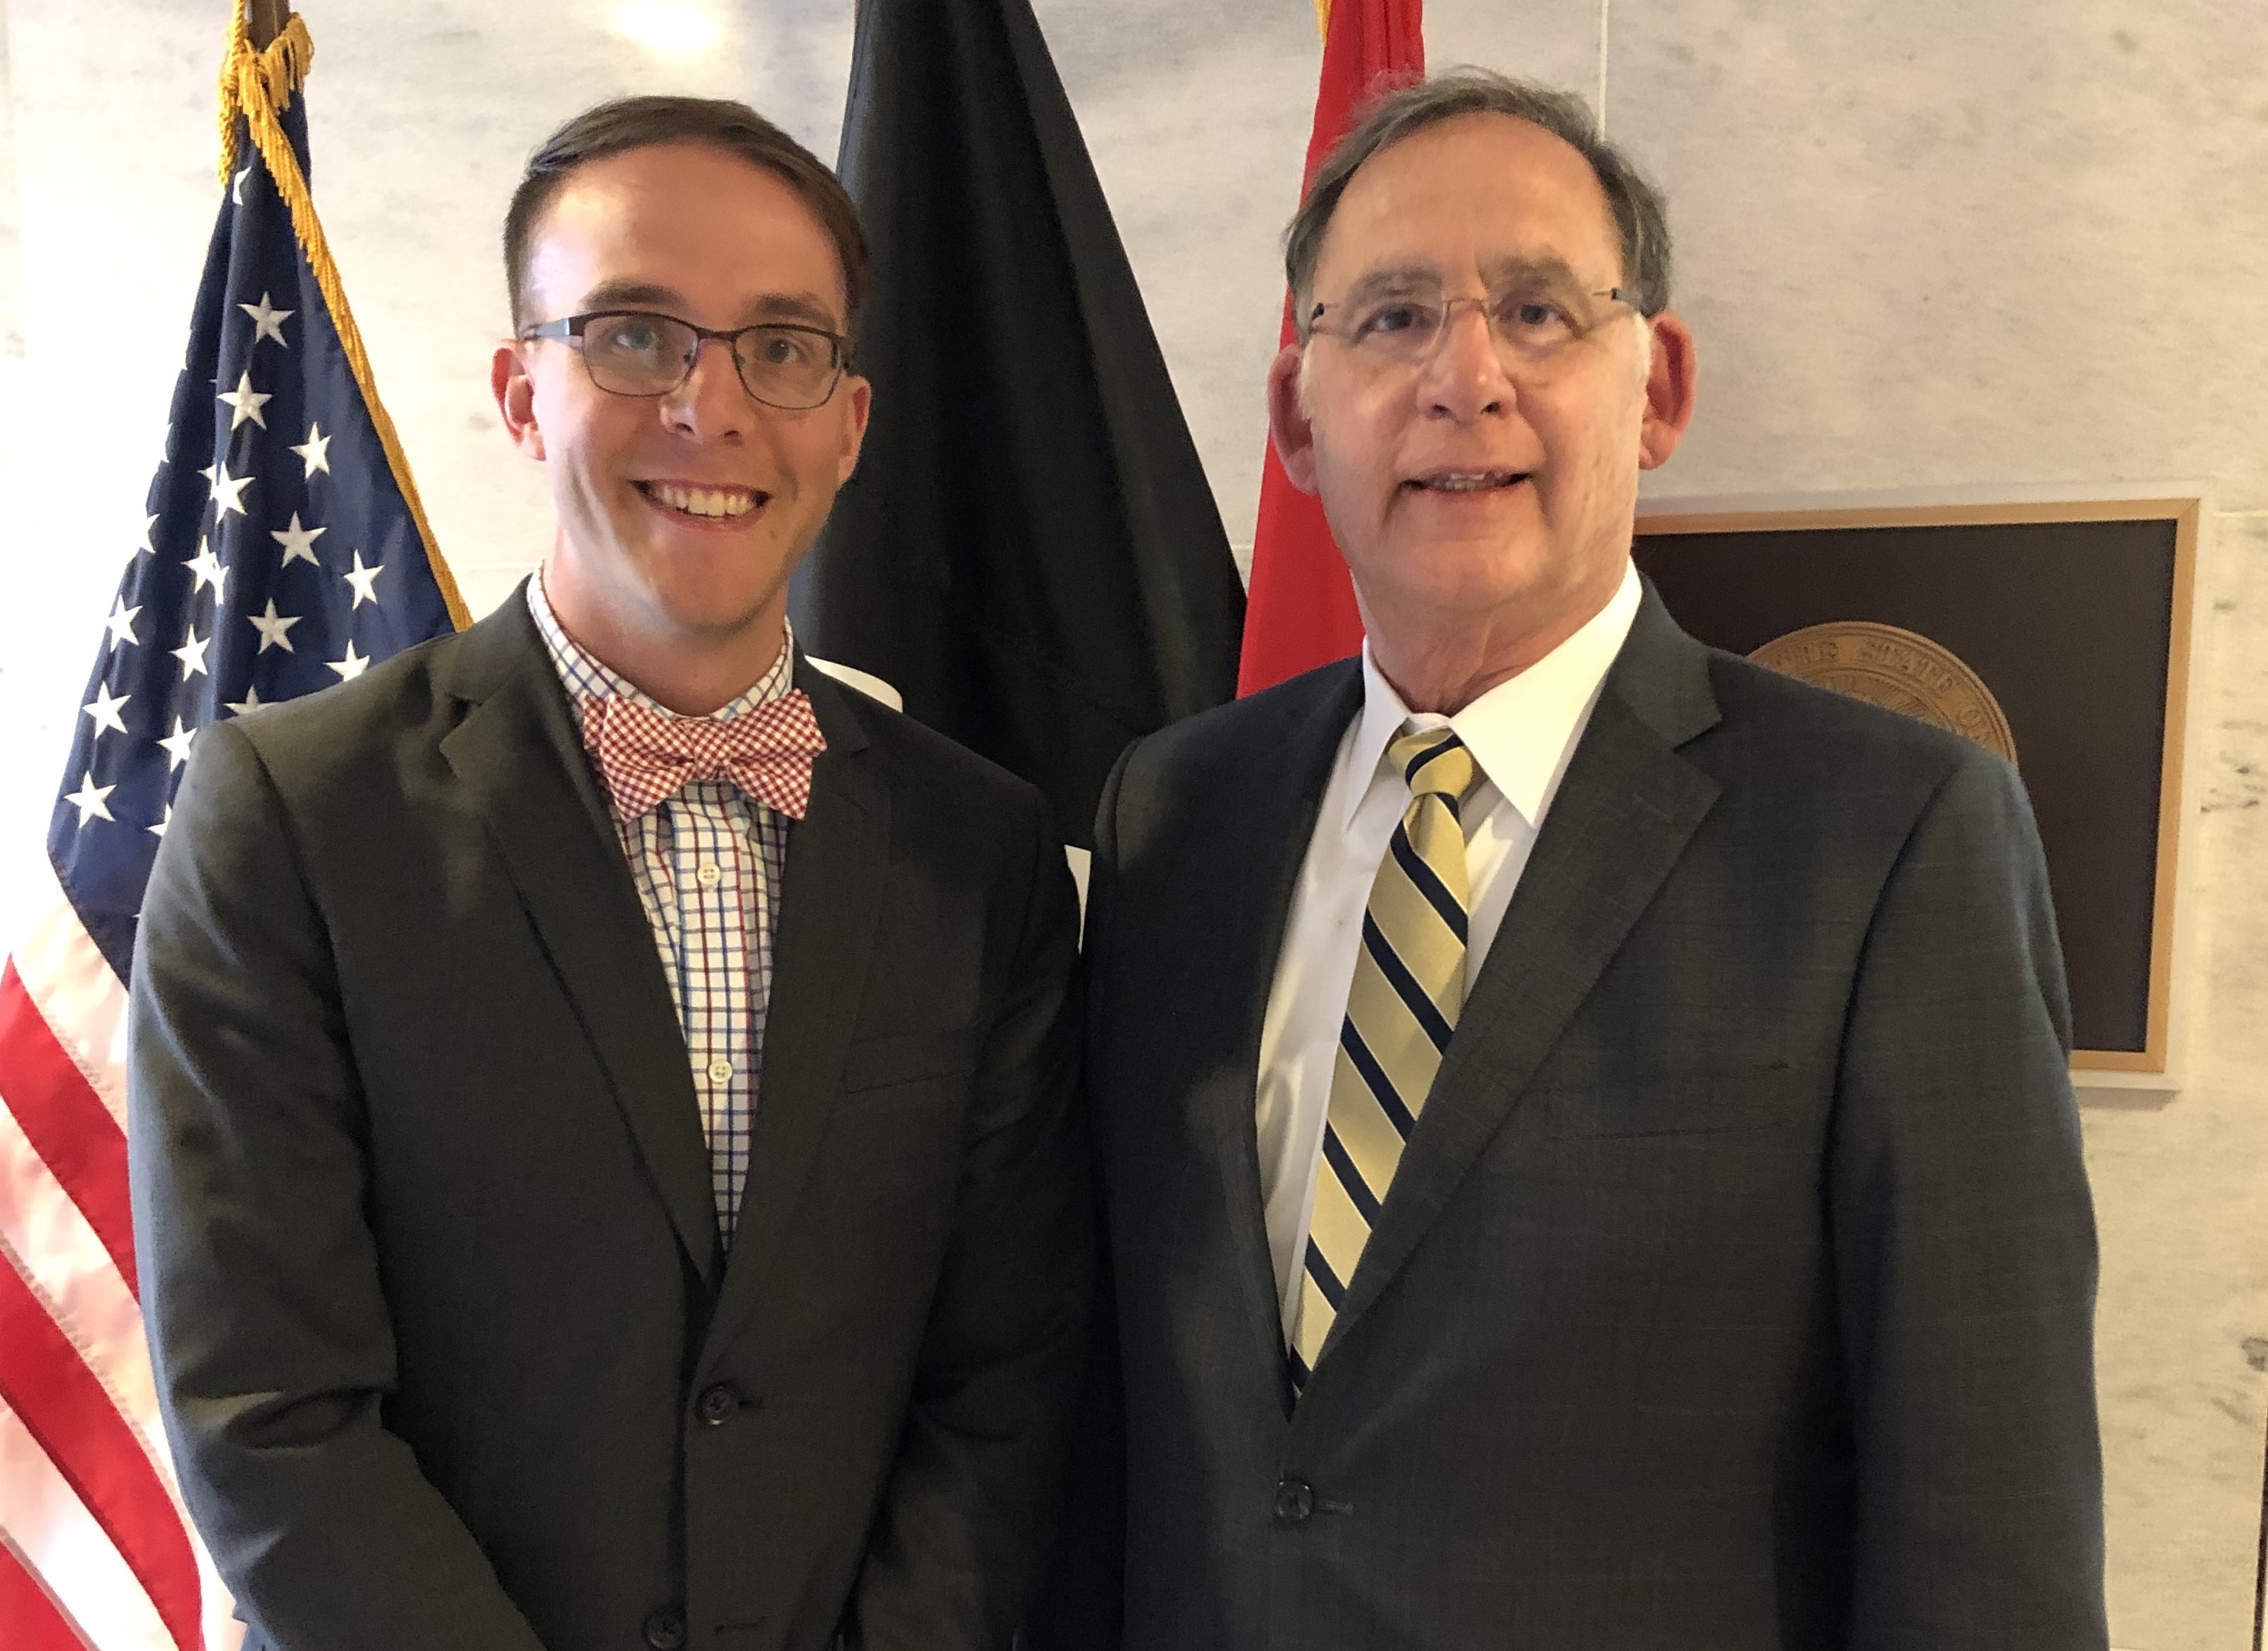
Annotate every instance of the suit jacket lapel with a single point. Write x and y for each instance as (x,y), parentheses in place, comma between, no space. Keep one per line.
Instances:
(1625,812)
(1274,817)
(518,757)
(838,858)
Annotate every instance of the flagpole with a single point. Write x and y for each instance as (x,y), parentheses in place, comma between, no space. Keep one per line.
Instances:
(264,20)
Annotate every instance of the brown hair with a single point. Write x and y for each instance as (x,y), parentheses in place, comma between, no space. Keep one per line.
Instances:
(638,123)
(1641,216)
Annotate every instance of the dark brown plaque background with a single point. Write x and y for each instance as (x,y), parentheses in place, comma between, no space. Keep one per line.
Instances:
(2073,623)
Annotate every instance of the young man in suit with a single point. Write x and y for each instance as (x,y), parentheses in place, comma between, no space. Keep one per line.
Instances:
(1586,1147)
(607,1166)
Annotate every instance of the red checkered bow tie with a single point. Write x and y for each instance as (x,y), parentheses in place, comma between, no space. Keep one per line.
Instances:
(645,757)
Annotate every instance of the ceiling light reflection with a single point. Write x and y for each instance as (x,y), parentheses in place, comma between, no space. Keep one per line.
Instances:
(672,27)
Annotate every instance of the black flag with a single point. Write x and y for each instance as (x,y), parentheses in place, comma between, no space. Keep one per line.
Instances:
(1029,551)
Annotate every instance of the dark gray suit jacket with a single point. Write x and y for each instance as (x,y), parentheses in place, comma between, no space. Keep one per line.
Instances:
(1736,1289)
(448,1350)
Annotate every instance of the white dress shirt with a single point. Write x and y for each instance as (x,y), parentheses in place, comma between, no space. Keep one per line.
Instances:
(1521,733)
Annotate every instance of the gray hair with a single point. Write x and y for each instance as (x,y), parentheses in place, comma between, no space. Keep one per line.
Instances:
(1641,216)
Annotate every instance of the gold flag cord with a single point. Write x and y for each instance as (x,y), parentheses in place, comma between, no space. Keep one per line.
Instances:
(258,85)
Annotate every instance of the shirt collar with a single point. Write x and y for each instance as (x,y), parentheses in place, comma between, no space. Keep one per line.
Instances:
(587,677)
(1521,730)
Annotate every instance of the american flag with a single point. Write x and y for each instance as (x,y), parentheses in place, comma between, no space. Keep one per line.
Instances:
(285,550)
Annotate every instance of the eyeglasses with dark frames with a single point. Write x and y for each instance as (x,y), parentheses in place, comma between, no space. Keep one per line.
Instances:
(790,366)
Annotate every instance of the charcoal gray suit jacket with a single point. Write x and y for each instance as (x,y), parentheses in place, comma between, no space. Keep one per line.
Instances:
(1735,1291)
(449,1350)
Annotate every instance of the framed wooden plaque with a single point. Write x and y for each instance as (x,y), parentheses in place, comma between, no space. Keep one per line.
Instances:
(2074,617)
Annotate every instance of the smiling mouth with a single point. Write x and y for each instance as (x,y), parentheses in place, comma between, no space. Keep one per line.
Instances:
(1466,480)
(705,503)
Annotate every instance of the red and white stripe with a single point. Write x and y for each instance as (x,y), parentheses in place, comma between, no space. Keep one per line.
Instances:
(95,1548)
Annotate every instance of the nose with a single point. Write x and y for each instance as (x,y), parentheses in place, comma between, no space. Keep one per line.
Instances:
(1464,376)
(713,404)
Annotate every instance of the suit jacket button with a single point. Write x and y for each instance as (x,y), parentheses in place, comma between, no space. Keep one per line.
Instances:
(1295,1500)
(717,1404)
(665,1630)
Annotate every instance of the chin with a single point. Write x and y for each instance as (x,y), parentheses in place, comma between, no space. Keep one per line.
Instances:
(718,615)
(1475,583)
(710,592)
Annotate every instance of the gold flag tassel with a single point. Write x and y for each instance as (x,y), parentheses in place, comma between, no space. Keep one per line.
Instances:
(257,83)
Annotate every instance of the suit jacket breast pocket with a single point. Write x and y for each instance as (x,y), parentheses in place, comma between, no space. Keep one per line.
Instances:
(1673,1102)
(895,1060)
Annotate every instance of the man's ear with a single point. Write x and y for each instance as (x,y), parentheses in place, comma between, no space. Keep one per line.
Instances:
(1288,423)
(515,396)
(854,427)
(1670,382)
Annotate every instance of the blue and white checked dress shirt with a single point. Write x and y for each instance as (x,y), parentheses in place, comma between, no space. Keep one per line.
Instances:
(709,864)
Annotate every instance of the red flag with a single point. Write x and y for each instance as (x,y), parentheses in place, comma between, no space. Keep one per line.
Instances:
(1299,611)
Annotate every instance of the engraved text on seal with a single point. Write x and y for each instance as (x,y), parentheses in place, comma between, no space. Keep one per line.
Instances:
(1896,668)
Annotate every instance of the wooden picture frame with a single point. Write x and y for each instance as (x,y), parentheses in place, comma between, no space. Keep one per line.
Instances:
(2077,614)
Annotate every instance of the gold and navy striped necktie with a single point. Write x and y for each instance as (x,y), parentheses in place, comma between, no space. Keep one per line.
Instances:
(1409,988)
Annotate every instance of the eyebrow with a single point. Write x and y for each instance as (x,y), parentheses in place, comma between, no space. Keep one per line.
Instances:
(797,307)
(610,294)
(1400,278)
(773,307)
(1547,270)
(1387,283)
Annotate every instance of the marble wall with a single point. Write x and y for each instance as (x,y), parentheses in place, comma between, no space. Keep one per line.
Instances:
(1952,243)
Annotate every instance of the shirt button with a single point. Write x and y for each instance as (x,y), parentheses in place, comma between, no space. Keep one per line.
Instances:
(708,875)
(717,1403)
(1295,1500)
(720,1070)
(665,1630)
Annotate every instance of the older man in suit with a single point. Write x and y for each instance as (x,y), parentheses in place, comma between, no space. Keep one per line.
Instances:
(1588,1153)
(606,1165)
